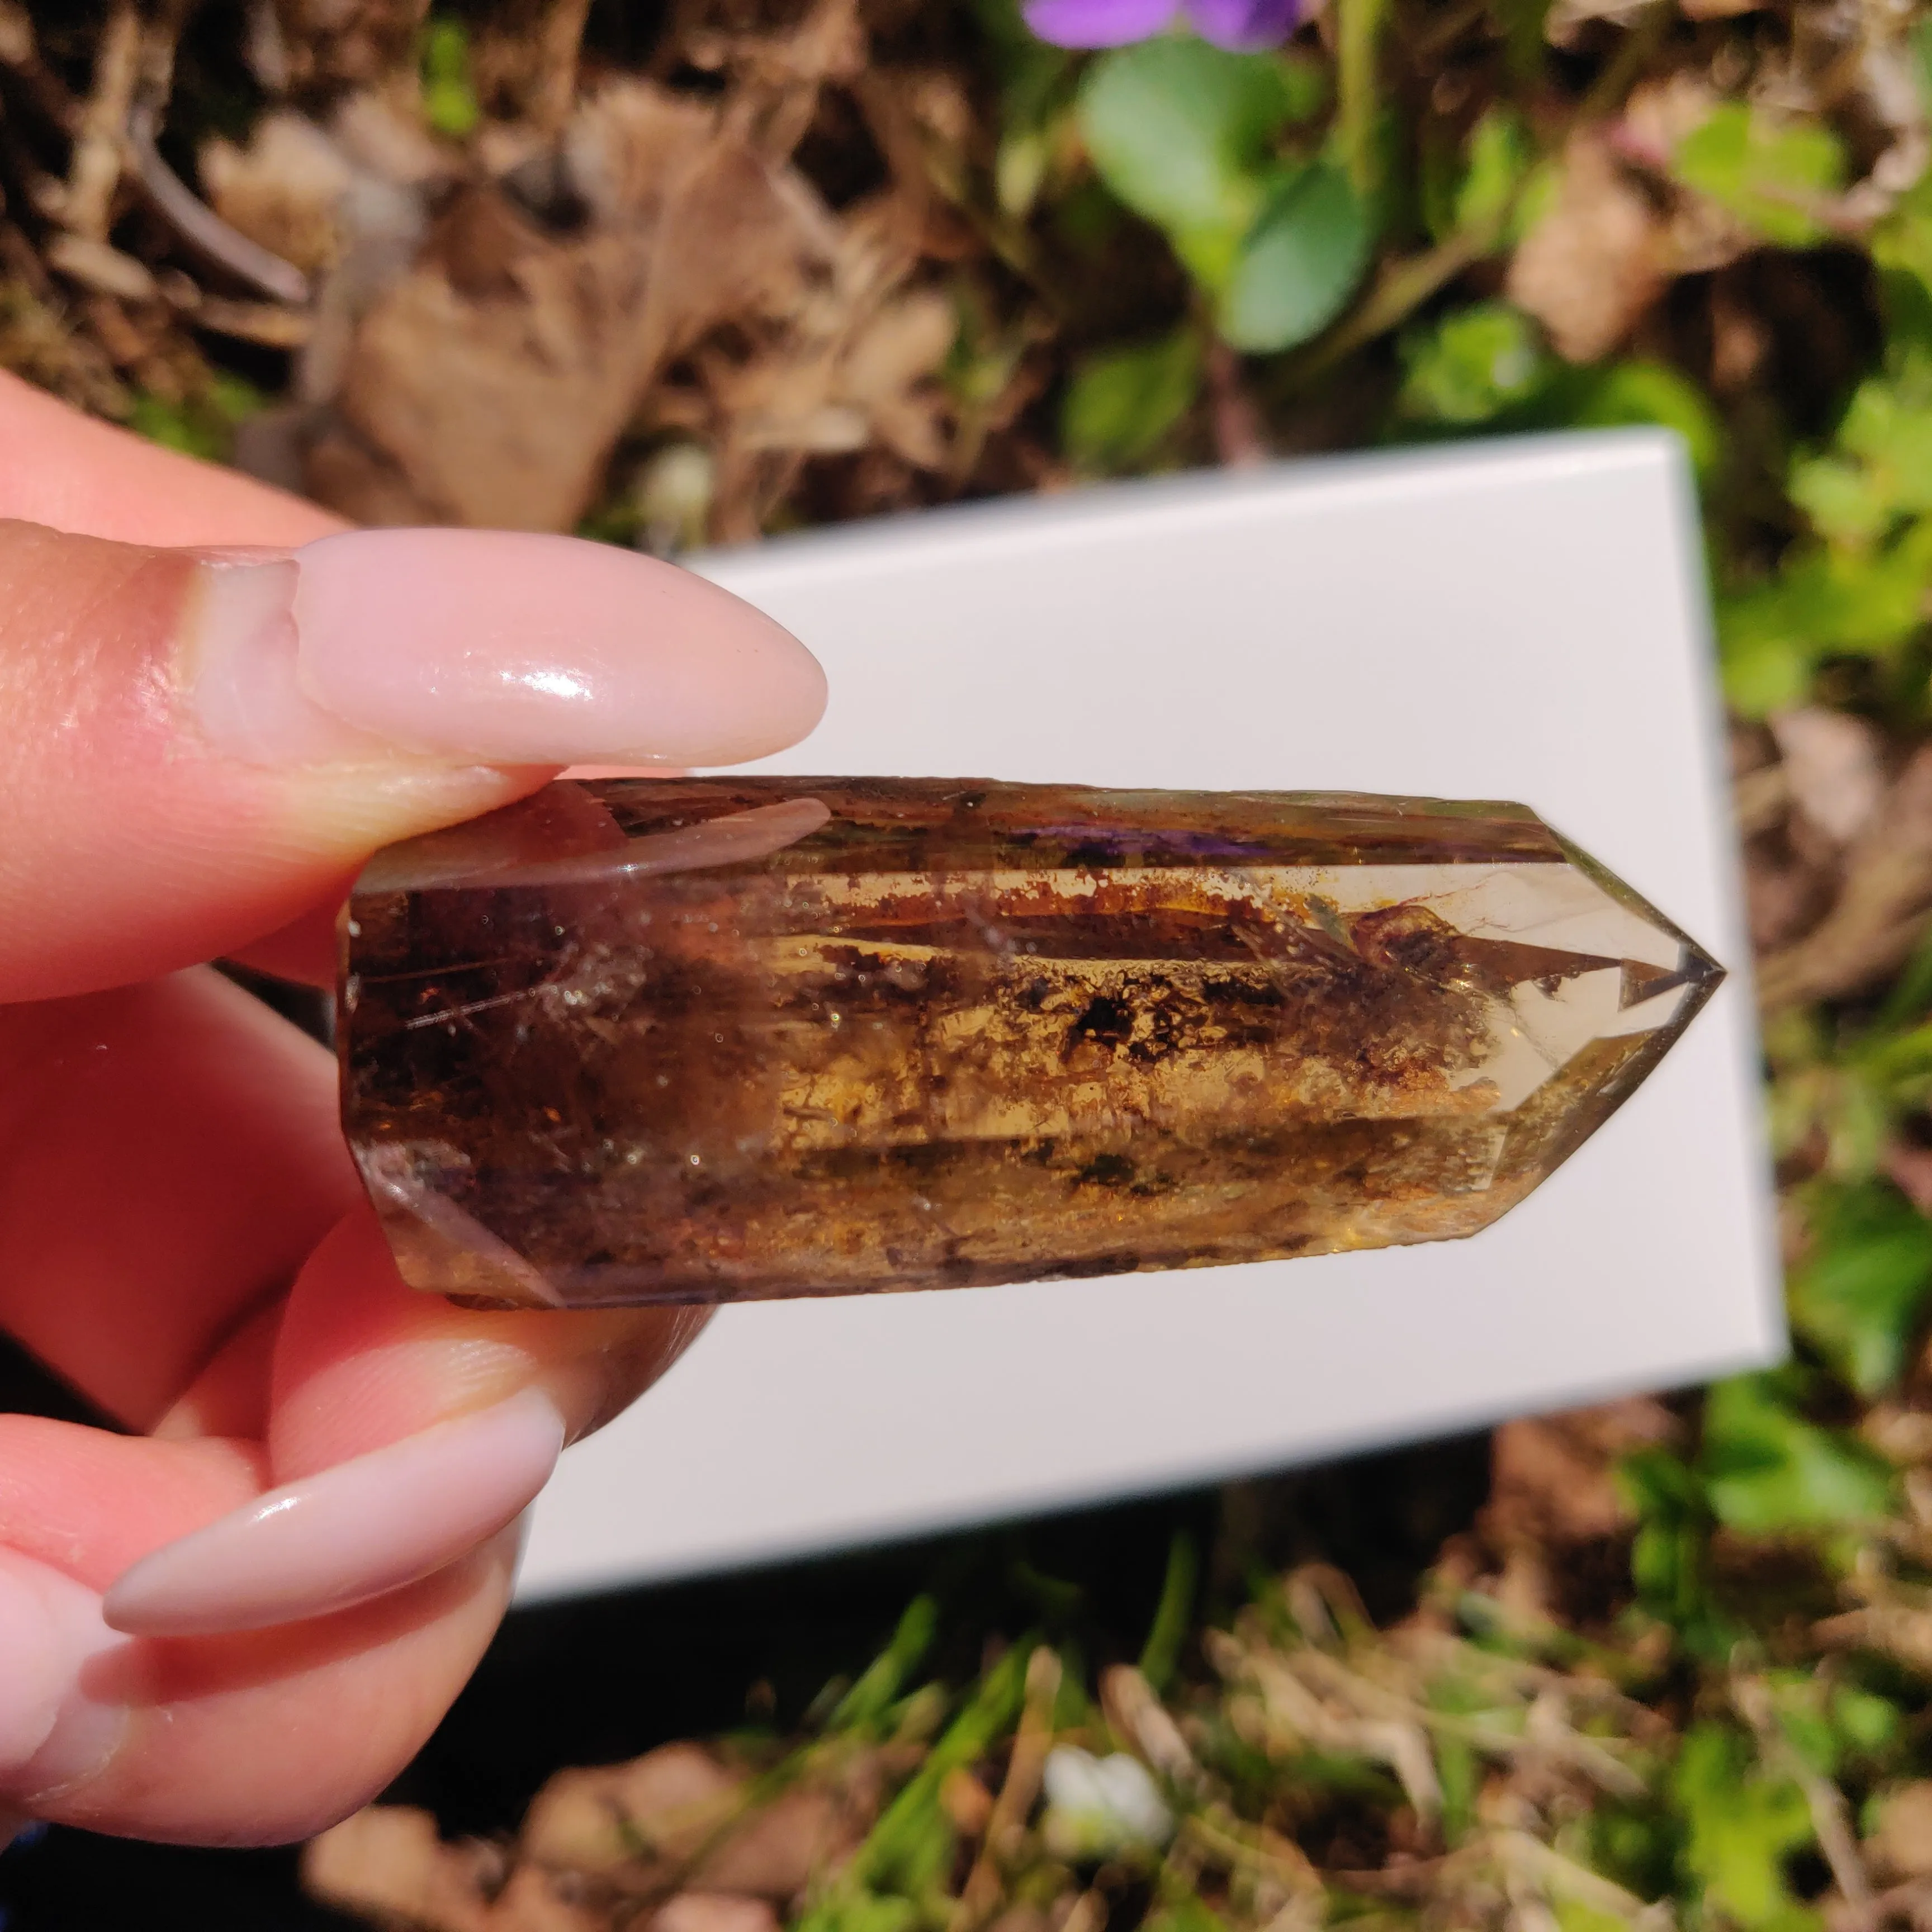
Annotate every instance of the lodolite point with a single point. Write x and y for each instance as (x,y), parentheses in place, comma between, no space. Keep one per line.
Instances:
(643,1040)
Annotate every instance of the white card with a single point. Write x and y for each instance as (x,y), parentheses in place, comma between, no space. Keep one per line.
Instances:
(1522,620)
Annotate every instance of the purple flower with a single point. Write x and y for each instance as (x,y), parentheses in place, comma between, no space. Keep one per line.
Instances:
(1243,26)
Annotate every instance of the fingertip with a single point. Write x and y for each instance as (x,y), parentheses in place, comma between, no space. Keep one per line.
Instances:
(57,1731)
(212,740)
(206,1758)
(511,647)
(362,1359)
(350,1533)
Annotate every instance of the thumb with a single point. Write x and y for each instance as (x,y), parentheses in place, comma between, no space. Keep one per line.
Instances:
(196,747)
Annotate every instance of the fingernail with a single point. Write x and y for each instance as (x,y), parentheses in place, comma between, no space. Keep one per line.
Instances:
(501,648)
(348,1533)
(55,1733)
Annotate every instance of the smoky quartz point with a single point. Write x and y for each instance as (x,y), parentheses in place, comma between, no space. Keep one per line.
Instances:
(645,1040)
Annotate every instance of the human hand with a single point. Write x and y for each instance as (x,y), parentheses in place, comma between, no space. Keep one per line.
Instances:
(188,773)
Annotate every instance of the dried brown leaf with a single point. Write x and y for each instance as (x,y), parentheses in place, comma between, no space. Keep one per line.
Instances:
(828,46)
(1910,1170)
(714,1912)
(266,324)
(1004,1820)
(1592,266)
(1139,1720)
(491,381)
(495,376)
(523,61)
(1024,1917)
(39,341)
(320,45)
(628,146)
(384,137)
(889,373)
(534,1900)
(1553,1477)
(1901,1844)
(387,1862)
(1901,1631)
(105,270)
(655,1813)
(774,1851)
(1722,9)
(16,35)
(1832,769)
(1567,18)
(968,1804)
(284,190)
(1881,906)
(94,168)
(1698,235)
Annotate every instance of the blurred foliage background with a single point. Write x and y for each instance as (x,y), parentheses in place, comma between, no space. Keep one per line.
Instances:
(687,273)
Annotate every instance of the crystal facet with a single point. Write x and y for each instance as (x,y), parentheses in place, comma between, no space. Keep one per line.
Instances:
(722,1039)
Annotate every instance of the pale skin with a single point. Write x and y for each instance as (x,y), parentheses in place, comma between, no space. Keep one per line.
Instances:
(182,1237)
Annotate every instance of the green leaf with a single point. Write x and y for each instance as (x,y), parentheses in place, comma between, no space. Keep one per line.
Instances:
(1921,37)
(1880,468)
(201,425)
(1019,169)
(873,1693)
(1459,1770)
(1798,1699)
(1501,156)
(1036,91)
(1476,363)
(1168,1631)
(1668,1555)
(1523,23)
(1654,1482)
(1573,1915)
(1635,392)
(1822,603)
(1845,501)
(1304,82)
(1637,1842)
(860,1911)
(1123,402)
(178,426)
(913,1838)
(1742,1825)
(449,100)
(1901,244)
(1179,130)
(1188,1914)
(1858,1298)
(1363,129)
(1763,674)
(1769,1471)
(1772,175)
(1867,1723)
(1297,269)
(1910,993)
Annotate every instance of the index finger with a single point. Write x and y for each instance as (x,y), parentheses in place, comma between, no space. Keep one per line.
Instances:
(74,473)
(199,746)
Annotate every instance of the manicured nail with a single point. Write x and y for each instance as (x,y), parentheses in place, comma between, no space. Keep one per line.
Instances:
(56,1731)
(501,648)
(350,1533)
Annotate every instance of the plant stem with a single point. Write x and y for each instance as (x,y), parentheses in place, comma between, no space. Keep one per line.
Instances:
(1359,24)
(1401,289)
